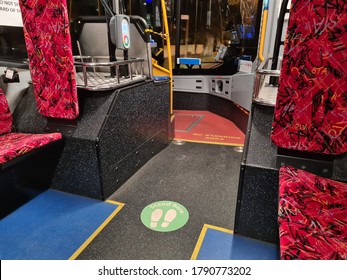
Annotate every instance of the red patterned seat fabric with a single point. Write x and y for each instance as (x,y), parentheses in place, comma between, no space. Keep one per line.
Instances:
(5,115)
(312,216)
(15,144)
(311,107)
(48,42)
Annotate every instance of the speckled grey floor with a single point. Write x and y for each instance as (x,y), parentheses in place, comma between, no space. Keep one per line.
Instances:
(202,177)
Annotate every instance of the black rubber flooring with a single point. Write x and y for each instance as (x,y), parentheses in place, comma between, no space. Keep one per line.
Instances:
(201,177)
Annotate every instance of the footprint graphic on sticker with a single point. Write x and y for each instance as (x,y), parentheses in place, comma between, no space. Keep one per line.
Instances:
(155,217)
(169,217)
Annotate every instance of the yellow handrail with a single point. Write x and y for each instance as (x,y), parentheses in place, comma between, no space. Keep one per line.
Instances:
(167,39)
(263,31)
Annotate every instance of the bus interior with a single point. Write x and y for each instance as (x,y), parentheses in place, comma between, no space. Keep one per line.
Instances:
(173,130)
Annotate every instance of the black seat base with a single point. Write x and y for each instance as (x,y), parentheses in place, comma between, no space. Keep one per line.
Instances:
(24,177)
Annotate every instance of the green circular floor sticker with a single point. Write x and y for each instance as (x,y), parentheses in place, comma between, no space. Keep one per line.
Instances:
(164,216)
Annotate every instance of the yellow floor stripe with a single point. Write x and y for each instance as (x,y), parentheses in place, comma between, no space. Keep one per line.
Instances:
(219,229)
(99,229)
(202,237)
(213,143)
(114,202)
(199,243)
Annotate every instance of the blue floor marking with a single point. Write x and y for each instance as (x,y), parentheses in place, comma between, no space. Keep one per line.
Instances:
(51,226)
(218,245)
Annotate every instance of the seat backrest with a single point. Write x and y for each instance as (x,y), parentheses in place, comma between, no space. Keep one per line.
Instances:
(5,115)
(311,108)
(48,42)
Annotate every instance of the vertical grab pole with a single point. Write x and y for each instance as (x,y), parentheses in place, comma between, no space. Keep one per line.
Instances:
(168,47)
(178,32)
(278,40)
(263,30)
(111,48)
(279,31)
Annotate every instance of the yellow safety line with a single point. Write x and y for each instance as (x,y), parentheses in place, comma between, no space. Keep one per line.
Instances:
(219,229)
(114,202)
(213,143)
(99,229)
(199,243)
(202,237)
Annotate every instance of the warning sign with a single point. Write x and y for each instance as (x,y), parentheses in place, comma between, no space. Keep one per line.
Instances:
(10,14)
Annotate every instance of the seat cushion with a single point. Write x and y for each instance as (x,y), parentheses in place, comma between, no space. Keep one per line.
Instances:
(312,216)
(13,145)
(5,115)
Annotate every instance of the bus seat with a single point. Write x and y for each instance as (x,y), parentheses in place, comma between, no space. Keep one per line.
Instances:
(12,144)
(312,216)
(48,42)
(5,115)
(15,90)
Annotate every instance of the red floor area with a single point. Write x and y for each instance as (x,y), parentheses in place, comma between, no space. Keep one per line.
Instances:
(206,127)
